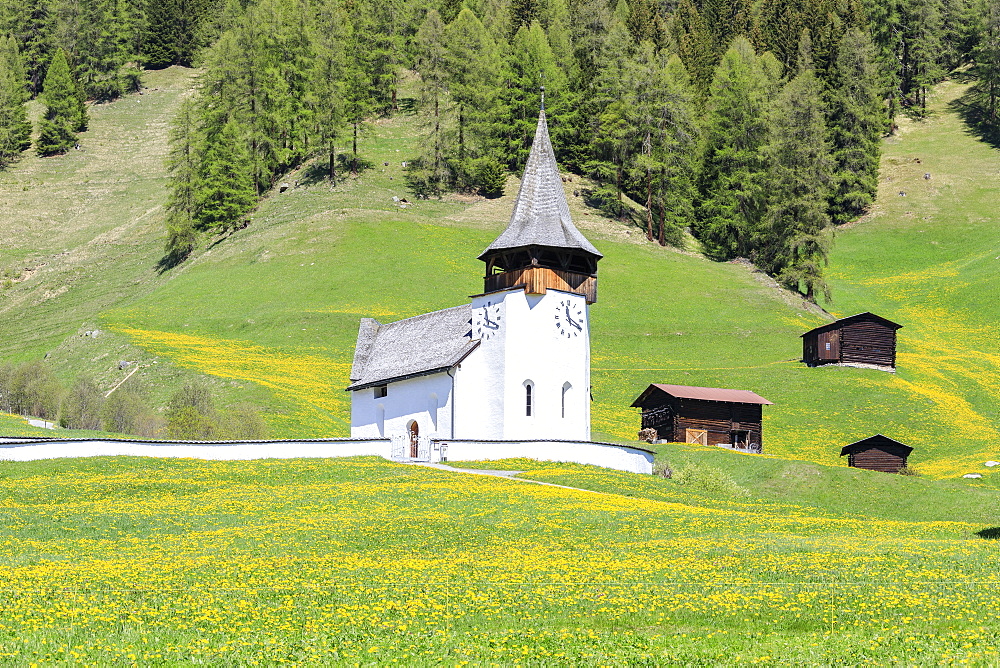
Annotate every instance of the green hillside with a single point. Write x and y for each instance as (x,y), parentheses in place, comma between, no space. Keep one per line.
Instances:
(270,313)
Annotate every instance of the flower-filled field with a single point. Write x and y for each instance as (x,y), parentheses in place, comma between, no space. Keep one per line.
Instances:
(363,561)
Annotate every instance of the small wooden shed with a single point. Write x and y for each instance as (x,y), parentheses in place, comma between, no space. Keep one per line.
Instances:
(877,453)
(703,415)
(864,338)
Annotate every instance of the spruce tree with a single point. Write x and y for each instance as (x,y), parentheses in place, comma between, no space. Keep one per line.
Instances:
(15,130)
(793,244)
(62,115)
(857,121)
(732,184)
(225,192)
(694,45)
(530,63)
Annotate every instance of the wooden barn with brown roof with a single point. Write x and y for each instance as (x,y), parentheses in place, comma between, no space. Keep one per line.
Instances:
(862,339)
(877,453)
(703,415)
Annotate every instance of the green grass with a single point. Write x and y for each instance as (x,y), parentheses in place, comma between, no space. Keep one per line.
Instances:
(713,478)
(140,561)
(269,314)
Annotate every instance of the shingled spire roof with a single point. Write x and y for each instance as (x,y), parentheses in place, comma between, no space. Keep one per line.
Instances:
(541,214)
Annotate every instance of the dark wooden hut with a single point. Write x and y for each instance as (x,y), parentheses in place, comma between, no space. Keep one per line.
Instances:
(865,338)
(704,415)
(877,453)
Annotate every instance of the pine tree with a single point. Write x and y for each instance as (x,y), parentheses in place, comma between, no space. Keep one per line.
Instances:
(732,184)
(226,191)
(857,121)
(793,245)
(62,109)
(15,130)
(522,14)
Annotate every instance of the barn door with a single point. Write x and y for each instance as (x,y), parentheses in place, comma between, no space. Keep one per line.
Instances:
(696,436)
(829,345)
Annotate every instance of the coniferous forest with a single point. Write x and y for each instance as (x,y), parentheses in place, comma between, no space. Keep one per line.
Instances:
(756,125)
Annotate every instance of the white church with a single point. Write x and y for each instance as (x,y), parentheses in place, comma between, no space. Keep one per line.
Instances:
(514,364)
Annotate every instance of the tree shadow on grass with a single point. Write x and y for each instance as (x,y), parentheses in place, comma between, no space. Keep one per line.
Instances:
(976,119)
(992,533)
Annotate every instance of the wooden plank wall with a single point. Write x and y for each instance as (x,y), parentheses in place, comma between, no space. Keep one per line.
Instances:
(716,417)
(867,342)
(877,459)
(537,279)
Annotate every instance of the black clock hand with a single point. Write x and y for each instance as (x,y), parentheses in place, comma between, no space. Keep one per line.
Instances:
(572,322)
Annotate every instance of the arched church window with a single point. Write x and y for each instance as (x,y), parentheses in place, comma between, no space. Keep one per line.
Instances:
(566,388)
(529,399)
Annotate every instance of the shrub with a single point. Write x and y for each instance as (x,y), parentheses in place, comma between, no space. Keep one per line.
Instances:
(702,479)
(124,411)
(244,422)
(191,414)
(663,470)
(83,406)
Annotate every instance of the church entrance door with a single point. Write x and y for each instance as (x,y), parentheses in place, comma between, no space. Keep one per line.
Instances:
(414,440)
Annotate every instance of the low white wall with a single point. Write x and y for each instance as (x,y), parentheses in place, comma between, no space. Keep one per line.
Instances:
(25,451)
(608,455)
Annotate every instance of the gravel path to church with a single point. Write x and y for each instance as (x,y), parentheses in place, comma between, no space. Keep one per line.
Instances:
(501,474)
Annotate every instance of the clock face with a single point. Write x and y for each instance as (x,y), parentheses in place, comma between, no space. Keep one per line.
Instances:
(487,321)
(570,319)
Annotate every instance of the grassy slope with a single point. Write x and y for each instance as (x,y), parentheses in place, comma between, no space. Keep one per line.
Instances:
(929,260)
(271,312)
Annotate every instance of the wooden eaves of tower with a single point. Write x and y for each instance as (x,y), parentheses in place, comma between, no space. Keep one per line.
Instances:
(541,247)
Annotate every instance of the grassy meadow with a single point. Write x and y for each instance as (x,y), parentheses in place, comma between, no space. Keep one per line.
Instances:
(362,561)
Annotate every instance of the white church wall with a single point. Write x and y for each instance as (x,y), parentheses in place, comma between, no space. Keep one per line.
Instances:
(479,380)
(620,457)
(56,449)
(536,351)
(425,399)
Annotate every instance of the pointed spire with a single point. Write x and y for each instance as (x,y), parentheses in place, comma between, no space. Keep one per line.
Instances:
(541,213)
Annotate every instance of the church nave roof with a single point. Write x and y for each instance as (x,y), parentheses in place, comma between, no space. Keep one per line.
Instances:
(418,346)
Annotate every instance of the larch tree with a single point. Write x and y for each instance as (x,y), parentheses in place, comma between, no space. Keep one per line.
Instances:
(857,121)
(732,185)
(679,143)
(226,191)
(793,243)
(431,54)
(183,163)
(15,130)
(987,62)
(472,70)
(331,30)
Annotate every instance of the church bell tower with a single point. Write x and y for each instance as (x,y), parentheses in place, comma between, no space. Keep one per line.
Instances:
(532,319)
